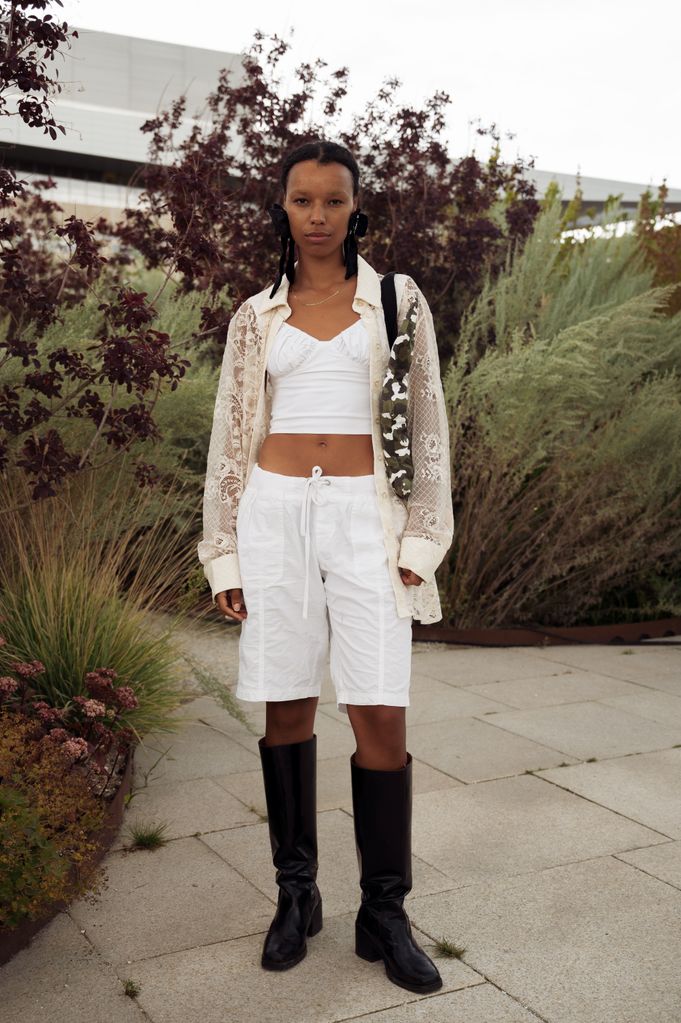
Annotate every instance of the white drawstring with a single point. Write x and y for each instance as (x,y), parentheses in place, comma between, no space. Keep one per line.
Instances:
(312,484)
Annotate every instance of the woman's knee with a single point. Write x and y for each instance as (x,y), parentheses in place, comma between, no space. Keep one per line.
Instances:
(379,727)
(291,718)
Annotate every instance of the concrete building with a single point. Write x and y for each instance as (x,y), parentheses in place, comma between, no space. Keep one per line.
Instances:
(113,83)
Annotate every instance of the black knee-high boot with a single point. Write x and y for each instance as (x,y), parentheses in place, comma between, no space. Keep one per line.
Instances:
(290,777)
(382,806)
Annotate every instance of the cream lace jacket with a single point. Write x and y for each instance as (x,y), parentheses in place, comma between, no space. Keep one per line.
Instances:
(418,529)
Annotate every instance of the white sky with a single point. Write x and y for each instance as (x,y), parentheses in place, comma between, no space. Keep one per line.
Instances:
(589,87)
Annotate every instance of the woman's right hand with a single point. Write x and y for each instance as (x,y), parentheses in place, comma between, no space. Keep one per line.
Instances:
(231,604)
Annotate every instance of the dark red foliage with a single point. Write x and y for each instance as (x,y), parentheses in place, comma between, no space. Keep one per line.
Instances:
(203,219)
(428,215)
(47,461)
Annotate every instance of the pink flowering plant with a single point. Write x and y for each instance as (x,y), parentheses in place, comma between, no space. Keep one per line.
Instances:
(50,813)
(90,730)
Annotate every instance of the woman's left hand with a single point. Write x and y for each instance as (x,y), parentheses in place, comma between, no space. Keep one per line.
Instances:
(410,578)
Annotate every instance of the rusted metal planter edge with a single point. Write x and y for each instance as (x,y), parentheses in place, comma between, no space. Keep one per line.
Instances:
(13,940)
(538,635)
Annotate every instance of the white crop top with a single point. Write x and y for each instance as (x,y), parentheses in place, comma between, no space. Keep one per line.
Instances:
(320,386)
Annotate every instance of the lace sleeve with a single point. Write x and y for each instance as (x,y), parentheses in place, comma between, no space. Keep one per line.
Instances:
(217,550)
(429,530)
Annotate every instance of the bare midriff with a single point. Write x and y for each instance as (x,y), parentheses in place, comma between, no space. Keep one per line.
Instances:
(339,454)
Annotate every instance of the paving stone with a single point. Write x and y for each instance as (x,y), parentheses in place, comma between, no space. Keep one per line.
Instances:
(568,685)
(648,703)
(177,896)
(645,787)
(656,667)
(590,942)
(60,976)
(472,750)
(206,709)
(464,666)
(482,1003)
(225,983)
(514,826)
(431,700)
(662,861)
(588,729)
(186,807)
(248,851)
(196,751)
(210,641)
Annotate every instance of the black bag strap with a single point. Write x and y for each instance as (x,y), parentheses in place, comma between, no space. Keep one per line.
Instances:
(389,301)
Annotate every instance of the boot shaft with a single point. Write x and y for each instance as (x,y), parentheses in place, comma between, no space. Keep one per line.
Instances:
(290,779)
(382,808)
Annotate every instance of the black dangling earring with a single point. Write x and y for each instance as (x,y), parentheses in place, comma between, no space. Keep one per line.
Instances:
(357,228)
(288,246)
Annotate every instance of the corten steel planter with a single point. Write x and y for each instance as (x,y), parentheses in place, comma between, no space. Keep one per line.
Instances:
(539,635)
(12,940)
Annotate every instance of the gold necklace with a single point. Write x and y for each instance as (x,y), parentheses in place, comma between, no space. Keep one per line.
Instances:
(318,303)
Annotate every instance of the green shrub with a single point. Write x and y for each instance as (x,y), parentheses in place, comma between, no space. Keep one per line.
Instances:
(566,487)
(80,576)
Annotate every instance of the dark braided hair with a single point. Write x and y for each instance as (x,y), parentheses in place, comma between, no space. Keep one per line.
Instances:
(323,151)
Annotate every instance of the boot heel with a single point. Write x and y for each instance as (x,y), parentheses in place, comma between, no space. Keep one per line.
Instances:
(315,920)
(364,946)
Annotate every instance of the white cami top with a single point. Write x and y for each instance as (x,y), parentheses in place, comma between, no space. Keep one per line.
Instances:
(320,386)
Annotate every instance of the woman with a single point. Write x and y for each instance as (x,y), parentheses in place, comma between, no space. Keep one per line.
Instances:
(327,509)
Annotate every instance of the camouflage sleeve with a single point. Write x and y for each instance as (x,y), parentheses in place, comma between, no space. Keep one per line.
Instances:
(429,530)
(394,404)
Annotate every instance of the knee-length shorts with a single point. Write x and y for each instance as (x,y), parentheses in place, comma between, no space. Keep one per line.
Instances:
(315,579)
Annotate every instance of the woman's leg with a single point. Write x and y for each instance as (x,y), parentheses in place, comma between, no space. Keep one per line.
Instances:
(281,662)
(380,734)
(288,753)
(381,775)
(289,720)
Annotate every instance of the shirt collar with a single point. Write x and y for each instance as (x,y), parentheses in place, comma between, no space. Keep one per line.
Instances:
(368,287)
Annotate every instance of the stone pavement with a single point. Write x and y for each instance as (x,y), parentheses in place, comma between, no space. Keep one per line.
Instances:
(546,842)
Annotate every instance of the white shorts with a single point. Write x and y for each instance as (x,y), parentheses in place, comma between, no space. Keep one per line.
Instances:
(314,574)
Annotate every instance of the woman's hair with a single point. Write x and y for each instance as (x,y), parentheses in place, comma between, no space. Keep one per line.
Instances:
(322,151)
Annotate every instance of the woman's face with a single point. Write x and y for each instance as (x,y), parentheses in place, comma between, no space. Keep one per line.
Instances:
(319,201)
